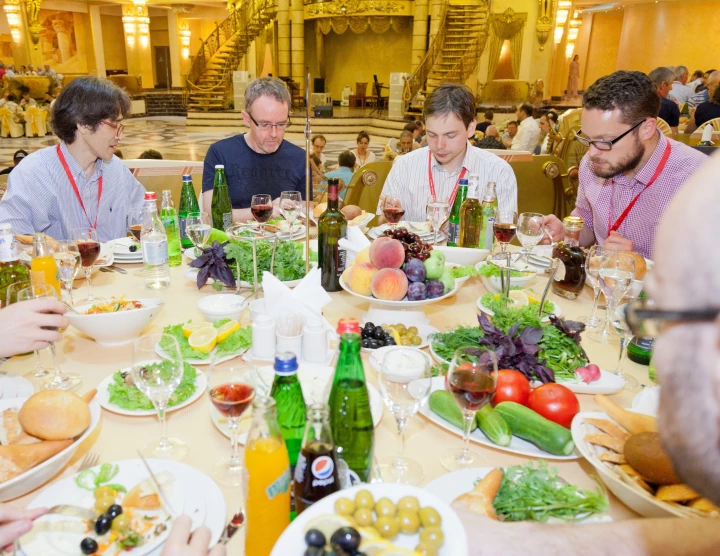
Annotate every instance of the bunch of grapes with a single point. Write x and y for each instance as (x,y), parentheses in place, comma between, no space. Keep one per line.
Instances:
(415,248)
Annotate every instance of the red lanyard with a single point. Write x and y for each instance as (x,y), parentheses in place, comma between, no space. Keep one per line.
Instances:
(451,200)
(624,215)
(75,189)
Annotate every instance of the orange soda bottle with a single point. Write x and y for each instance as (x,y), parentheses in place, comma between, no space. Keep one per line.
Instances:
(268,467)
(43,269)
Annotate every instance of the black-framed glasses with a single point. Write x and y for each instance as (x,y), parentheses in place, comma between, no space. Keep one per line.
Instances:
(645,320)
(117,127)
(265,126)
(600,144)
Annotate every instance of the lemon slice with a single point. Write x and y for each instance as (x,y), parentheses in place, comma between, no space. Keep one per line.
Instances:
(189,327)
(395,551)
(373,547)
(203,340)
(327,524)
(226,329)
(369,533)
(519,298)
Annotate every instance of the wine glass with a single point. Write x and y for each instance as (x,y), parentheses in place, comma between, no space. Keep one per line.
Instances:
(405,381)
(67,259)
(505,227)
(530,231)
(231,395)
(198,226)
(158,378)
(616,274)
(290,202)
(89,248)
(437,213)
(592,267)
(617,318)
(135,221)
(471,379)
(59,380)
(11,297)
(262,209)
(393,211)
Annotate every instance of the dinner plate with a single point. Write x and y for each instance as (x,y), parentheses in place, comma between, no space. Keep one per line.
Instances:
(191,493)
(419,228)
(103,395)
(292,543)
(517,445)
(315,381)
(15,387)
(164,354)
(366,218)
(402,303)
(451,485)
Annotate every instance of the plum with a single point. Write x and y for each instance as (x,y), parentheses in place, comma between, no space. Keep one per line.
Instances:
(415,270)
(435,288)
(416,291)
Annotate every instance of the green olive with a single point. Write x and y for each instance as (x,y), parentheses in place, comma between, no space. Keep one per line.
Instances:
(413,330)
(425,550)
(363,517)
(388,527)
(344,506)
(104,492)
(405,342)
(432,537)
(429,517)
(408,503)
(385,508)
(400,328)
(102,504)
(409,522)
(363,499)
(416,341)
(121,522)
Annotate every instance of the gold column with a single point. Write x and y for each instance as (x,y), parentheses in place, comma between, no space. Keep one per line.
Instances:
(97,39)
(298,44)
(283,38)
(174,40)
(420,30)
(435,11)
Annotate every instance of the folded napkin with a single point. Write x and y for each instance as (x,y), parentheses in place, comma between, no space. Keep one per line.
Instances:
(707,134)
(308,298)
(353,243)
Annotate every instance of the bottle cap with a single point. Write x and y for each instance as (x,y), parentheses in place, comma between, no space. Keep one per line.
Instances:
(150,196)
(219,166)
(286,363)
(463,181)
(187,178)
(348,325)
(573,222)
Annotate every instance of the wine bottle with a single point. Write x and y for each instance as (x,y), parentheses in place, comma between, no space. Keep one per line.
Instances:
(454,220)
(332,226)
(471,216)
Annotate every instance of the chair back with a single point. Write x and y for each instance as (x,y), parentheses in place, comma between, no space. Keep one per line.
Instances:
(366,185)
(571,150)
(5,121)
(360,89)
(664,127)
(157,175)
(541,185)
(715,123)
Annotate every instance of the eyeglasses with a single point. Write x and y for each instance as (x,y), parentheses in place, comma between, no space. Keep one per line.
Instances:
(604,145)
(118,127)
(265,126)
(644,320)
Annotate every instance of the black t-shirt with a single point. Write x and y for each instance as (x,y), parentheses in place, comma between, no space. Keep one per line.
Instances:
(669,112)
(706,112)
(482,126)
(249,173)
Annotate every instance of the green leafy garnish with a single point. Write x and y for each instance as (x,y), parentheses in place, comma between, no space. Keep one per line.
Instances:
(107,472)
(127,396)
(490,270)
(289,261)
(89,479)
(497,302)
(240,339)
(463,271)
(445,344)
(86,479)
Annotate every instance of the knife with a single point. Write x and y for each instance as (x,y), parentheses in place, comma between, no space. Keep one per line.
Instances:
(117,269)
(235,523)
(158,488)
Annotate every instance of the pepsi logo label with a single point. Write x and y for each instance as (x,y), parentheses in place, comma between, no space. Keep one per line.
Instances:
(322,467)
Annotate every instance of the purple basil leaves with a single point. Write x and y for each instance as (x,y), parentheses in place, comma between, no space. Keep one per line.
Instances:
(212,264)
(571,328)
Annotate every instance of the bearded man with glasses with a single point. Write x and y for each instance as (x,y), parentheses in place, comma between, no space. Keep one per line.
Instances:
(631,170)
(261,160)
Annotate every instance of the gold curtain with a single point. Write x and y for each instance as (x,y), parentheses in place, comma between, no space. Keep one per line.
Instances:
(504,27)
(378,24)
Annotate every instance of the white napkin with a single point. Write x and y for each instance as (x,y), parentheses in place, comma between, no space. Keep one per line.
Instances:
(707,134)
(308,298)
(647,401)
(353,243)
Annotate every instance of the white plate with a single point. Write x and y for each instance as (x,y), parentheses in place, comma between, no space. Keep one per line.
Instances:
(191,276)
(190,253)
(15,387)
(192,493)
(377,355)
(121,246)
(103,395)
(316,382)
(436,356)
(402,303)
(105,258)
(292,543)
(451,485)
(609,383)
(493,284)
(557,312)
(249,357)
(517,445)
(164,354)
(418,228)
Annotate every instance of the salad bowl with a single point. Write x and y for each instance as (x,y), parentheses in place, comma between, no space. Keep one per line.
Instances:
(115,328)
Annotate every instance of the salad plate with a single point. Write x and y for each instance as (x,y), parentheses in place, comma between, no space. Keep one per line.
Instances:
(493,284)
(557,309)
(193,361)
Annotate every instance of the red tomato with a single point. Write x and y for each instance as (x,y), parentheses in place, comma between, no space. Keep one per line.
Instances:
(555,402)
(512,386)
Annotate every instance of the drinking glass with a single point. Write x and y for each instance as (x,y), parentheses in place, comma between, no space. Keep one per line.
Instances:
(198,226)
(620,325)
(262,209)
(405,381)
(393,211)
(158,378)
(89,248)
(592,267)
(616,274)
(135,221)
(231,394)
(505,228)
(290,206)
(67,259)
(12,294)
(530,231)
(437,213)
(59,380)
(471,379)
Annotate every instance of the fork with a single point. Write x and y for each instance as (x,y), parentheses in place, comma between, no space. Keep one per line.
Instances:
(90,460)
(74,511)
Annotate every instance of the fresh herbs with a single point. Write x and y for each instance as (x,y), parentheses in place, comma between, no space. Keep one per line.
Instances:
(212,264)
(538,494)
(497,302)
(561,349)
(444,344)
(124,393)
(289,261)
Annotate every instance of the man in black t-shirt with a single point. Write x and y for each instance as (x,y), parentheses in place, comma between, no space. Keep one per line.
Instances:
(669,111)
(259,161)
(482,126)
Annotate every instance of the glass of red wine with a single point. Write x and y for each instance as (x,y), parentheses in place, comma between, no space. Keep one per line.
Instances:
(89,248)
(262,209)
(505,227)
(231,394)
(393,211)
(471,379)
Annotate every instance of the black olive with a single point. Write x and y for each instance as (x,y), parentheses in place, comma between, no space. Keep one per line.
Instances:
(369,326)
(102,525)
(133,248)
(315,538)
(374,344)
(366,342)
(347,538)
(391,342)
(114,511)
(88,545)
(314,551)
(378,333)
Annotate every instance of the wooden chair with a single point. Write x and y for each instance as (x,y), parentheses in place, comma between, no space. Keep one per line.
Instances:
(366,185)
(664,127)
(541,186)
(359,98)
(715,123)
(8,126)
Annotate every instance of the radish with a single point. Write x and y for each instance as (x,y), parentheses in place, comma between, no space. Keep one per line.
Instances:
(588,374)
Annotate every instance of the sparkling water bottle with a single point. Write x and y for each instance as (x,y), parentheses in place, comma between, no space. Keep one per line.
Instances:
(154,243)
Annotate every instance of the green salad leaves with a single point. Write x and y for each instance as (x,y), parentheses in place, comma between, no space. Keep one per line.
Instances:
(490,270)
(124,394)
(240,339)
(289,261)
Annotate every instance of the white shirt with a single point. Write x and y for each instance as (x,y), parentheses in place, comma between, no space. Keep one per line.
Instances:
(680,93)
(526,138)
(408,180)
(369,157)
(694,84)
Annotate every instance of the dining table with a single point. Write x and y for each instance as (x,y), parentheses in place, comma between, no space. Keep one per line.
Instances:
(119,437)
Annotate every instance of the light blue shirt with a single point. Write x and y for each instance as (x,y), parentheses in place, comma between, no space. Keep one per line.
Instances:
(345,174)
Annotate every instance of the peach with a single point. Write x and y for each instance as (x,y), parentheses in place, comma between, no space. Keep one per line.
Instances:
(359,276)
(389,284)
(363,256)
(386,252)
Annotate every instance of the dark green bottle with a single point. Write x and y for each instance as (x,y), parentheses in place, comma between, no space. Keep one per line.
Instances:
(221,205)
(291,411)
(188,203)
(454,219)
(332,226)
(640,350)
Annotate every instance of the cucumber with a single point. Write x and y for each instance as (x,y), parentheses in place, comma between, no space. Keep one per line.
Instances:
(442,403)
(494,426)
(529,425)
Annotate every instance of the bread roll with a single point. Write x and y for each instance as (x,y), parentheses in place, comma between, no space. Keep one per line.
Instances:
(351,211)
(319,209)
(55,415)
(17,459)
(640,265)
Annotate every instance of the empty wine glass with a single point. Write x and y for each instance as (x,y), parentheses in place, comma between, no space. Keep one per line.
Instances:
(505,228)
(393,211)
(12,297)
(471,379)
(616,274)
(67,259)
(89,248)
(437,213)
(290,206)
(405,381)
(617,318)
(530,231)
(231,395)
(262,209)
(59,380)
(158,378)
(198,226)
(592,267)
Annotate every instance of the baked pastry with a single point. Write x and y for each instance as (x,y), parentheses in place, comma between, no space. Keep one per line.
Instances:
(55,415)
(17,459)
(480,499)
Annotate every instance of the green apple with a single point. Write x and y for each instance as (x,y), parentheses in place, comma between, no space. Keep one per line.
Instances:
(448,279)
(435,265)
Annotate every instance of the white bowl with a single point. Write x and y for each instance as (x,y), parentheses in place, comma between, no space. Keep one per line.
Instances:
(462,255)
(222,306)
(493,283)
(257,308)
(43,472)
(112,329)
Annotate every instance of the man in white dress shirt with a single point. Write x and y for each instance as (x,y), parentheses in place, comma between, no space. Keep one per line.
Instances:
(432,173)
(526,139)
(680,92)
